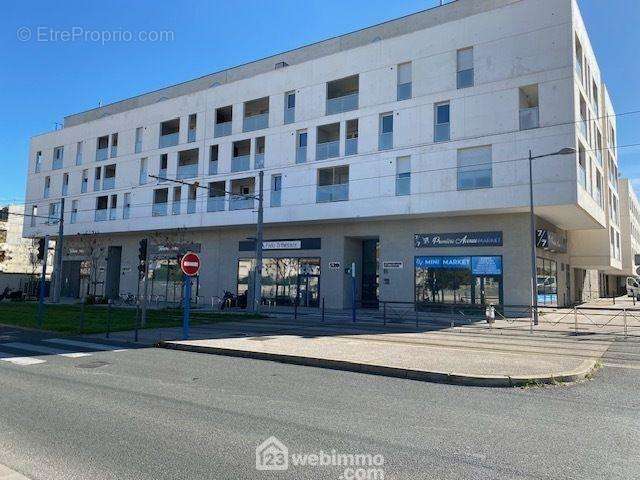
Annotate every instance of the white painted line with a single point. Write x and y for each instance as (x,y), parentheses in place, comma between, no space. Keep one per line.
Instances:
(8,357)
(46,350)
(76,343)
(618,365)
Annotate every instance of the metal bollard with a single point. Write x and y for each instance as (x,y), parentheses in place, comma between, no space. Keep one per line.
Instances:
(109,319)
(624,313)
(384,313)
(323,309)
(295,309)
(417,318)
(575,319)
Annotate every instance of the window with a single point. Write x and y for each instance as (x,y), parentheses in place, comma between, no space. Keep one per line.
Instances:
(102,205)
(177,194)
(47,187)
(582,167)
(114,145)
(546,272)
(241,159)
(187,164)
(403,175)
(276,190)
(328,141)
(385,137)
(138,145)
(191,200)
(224,116)
(216,198)
(102,148)
(144,171)
(213,159)
(160,199)
(34,214)
(404,81)
(65,184)
(598,191)
(582,123)
(289,107)
(38,165)
(333,184)
(162,172)
(342,94)
(84,185)
(259,153)
(351,141)
(256,114)
(58,154)
(465,68)
(113,207)
(241,191)
(54,213)
(474,168)
(191,130)
(529,112)
(126,207)
(579,59)
(169,133)
(97,179)
(109,181)
(79,153)
(74,211)
(301,146)
(441,128)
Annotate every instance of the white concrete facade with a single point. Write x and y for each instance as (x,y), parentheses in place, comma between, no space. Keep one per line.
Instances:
(534,80)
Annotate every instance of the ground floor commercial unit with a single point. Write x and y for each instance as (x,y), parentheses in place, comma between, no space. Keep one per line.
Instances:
(469,260)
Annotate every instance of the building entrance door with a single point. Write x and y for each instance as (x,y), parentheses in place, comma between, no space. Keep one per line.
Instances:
(486,290)
(70,287)
(370,273)
(113,272)
(309,290)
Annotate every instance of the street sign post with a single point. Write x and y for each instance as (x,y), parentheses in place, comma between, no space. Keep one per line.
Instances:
(190,266)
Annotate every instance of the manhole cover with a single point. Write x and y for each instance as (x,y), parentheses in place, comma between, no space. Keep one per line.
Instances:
(96,364)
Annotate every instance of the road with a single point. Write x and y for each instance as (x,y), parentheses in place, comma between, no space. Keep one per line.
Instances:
(145,413)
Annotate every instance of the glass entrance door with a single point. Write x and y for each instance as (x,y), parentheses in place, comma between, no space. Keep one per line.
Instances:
(486,290)
(309,291)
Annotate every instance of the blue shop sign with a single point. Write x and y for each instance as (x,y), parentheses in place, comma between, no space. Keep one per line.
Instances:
(463,263)
(486,265)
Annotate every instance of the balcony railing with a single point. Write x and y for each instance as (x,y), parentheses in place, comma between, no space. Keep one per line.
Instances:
(83,186)
(275,198)
(57,164)
(113,213)
(175,208)
(403,184)
(65,189)
(101,215)
(102,154)
(351,146)
(215,204)
(342,104)
(74,217)
(385,141)
(599,156)
(332,193)
(582,126)
(578,67)
(191,135)
(404,91)
(255,122)
(187,171)
(240,203)
(529,118)
(159,209)
(163,174)
(47,192)
(191,206)
(240,164)
(168,140)
(126,212)
(109,183)
(38,165)
(222,129)
(144,177)
(259,160)
(465,78)
(301,154)
(289,115)
(213,167)
(328,150)
(138,147)
(96,185)
(79,158)
(441,132)
(114,151)
(582,177)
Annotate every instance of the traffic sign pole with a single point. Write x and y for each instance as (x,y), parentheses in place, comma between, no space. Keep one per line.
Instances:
(186,306)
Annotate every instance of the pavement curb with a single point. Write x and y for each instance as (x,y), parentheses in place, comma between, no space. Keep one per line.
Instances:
(502,381)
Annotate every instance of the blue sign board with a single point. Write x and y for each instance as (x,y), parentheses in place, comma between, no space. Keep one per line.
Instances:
(486,265)
(481,265)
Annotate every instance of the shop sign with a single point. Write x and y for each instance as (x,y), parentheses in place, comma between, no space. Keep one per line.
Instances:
(479,265)
(444,262)
(172,250)
(486,265)
(282,245)
(285,244)
(460,239)
(334,265)
(550,240)
(76,252)
(392,265)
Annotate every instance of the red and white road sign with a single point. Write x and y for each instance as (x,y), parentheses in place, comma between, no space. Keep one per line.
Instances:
(190,264)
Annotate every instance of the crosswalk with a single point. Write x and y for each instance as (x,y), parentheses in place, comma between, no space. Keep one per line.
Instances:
(32,353)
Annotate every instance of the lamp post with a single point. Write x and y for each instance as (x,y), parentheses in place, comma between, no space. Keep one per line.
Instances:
(532,227)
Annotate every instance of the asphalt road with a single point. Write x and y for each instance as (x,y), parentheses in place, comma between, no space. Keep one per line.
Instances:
(149,413)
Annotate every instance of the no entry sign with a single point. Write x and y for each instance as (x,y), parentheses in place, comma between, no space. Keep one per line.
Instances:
(190,264)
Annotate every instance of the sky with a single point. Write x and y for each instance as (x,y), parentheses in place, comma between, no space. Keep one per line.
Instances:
(44,76)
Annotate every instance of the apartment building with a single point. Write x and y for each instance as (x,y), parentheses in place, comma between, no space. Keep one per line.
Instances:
(402,148)
(17,254)
(629,231)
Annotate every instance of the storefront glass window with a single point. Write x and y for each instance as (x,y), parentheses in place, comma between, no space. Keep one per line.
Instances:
(547,281)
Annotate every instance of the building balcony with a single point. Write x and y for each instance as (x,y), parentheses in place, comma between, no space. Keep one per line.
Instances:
(255,122)
(345,103)
(403,184)
(328,150)
(301,154)
(109,183)
(169,140)
(102,154)
(240,203)
(240,164)
(385,141)
(101,215)
(529,118)
(96,185)
(114,151)
(215,204)
(191,206)
(332,193)
(57,164)
(175,208)
(259,160)
(404,91)
(187,171)
(159,209)
(222,129)
(113,213)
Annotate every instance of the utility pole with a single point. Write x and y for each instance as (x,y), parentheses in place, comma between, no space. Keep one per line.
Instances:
(57,271)
(45,254)
(257,277)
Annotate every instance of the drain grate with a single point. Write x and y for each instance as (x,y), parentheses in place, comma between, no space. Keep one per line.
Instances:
(96,364)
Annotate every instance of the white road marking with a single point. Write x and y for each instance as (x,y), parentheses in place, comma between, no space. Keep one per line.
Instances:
(76,343)
(618,365)
(46,350)
(8,357)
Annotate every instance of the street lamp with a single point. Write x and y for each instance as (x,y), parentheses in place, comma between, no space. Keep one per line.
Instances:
(532,226)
